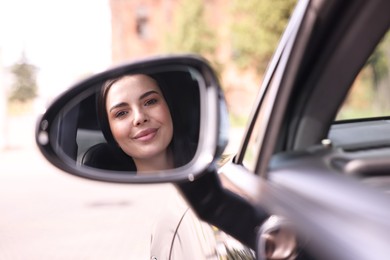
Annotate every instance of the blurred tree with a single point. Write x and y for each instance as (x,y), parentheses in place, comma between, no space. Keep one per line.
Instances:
(256,30)
(378,61)
(24,87)
(379,64)
(190,32)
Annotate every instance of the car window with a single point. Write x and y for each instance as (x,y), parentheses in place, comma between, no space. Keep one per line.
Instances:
(369,95)
(254,142)
(367,98)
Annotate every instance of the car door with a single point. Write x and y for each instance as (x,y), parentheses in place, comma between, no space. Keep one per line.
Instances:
(286,141)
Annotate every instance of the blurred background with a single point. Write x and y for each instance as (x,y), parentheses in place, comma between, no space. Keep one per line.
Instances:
(46,47)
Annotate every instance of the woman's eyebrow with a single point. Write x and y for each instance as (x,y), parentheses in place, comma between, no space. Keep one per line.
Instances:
(144,95)
(122,104)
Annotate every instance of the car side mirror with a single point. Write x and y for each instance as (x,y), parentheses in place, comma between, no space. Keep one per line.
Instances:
(166,112)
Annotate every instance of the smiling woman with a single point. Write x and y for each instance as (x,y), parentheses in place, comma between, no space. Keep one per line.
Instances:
(135,116)
(133,123)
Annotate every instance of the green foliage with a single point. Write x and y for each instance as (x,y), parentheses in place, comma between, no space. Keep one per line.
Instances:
(191,32)
(378,61)
(24,87)
(256,29)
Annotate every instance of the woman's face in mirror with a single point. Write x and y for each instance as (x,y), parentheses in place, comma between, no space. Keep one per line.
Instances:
(140,121)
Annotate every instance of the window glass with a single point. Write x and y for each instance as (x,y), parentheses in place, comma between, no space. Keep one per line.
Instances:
(370,93)
(249,155)
(256,136)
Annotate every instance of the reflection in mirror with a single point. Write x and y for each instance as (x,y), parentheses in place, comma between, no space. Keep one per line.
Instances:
(134,123)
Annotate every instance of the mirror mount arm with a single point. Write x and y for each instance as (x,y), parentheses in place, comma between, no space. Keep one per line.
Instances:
(223,208)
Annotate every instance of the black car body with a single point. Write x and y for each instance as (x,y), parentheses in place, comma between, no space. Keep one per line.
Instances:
(303,185)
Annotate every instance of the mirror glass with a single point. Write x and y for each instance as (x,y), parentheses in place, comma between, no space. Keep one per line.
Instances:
(131,123)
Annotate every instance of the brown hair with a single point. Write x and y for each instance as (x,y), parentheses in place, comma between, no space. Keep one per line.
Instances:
(180,141)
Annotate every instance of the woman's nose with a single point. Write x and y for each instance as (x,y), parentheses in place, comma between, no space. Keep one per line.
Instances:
(140,118)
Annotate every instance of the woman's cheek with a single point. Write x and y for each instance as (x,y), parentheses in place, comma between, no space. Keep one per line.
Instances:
(118,130)
(164,114)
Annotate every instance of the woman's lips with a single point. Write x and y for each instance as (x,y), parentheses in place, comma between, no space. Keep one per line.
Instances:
(146,135)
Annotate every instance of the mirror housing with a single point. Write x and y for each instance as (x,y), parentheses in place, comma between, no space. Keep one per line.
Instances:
(59,129)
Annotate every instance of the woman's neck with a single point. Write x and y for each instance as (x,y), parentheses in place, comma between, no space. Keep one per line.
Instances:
(159,162)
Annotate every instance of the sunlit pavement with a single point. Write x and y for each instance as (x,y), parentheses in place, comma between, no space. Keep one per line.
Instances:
(48,214)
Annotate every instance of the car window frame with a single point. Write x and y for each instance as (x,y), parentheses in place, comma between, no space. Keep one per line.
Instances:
(271,84)
(337,74)
(356,88)
(291,127)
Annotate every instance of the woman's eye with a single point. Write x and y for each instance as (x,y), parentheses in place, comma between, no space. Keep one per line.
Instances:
(151,102)
(120,114)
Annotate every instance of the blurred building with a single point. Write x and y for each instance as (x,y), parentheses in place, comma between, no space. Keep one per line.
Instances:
(136,27)
(139,27)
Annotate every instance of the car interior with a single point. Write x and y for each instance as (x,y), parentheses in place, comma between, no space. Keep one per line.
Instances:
(362,128)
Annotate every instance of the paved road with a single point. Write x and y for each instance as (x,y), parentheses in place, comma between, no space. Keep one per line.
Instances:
(48,214)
